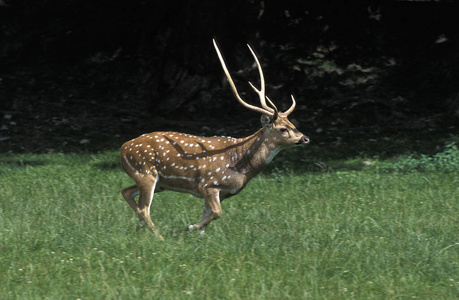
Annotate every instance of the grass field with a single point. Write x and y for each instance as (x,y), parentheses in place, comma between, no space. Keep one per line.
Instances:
(66,233)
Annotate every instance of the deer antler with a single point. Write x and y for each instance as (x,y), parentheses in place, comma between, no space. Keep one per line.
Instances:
(261,93)
(276,112)
(288,111)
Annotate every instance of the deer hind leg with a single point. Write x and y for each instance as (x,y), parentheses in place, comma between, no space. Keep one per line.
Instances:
(212,210)
(145,188)
(129,193)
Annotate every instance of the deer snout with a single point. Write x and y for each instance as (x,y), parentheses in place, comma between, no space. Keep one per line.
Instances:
(304,140)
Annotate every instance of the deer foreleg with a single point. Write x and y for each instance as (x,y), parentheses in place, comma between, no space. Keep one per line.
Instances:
(206,212)
(212,210)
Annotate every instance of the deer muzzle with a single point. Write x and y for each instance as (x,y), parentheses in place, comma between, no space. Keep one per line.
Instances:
(303,140)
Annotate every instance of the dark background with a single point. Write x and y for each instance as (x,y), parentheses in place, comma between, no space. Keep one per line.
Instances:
(79,75)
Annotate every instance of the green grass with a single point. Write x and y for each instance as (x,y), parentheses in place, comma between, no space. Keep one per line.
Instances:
(66,233)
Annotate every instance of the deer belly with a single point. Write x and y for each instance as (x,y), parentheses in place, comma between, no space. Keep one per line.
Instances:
(163,186)
(178,183)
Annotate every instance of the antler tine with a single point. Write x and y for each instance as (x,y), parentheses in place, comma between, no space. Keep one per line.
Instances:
(233,86)
(276,112)
(288,111)
(261,92)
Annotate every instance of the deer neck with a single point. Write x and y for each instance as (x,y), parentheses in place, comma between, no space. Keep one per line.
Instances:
(255,152)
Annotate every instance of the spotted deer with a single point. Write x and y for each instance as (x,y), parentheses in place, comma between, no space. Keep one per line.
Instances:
(213,168)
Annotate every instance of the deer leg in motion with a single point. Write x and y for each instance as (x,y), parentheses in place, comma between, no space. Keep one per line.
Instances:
(145,188)
(212,210)
(206,212)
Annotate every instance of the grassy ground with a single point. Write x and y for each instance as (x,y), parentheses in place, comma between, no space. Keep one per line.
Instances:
(66,232)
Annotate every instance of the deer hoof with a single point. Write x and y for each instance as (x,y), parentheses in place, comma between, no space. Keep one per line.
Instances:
(190,228)
(140,226)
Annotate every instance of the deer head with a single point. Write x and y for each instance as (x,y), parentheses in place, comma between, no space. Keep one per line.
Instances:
(282,131)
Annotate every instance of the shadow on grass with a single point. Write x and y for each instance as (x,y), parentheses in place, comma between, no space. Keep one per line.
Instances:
(22,163)
(107,165)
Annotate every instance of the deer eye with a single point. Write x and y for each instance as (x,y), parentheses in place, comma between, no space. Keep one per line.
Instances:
(283,130)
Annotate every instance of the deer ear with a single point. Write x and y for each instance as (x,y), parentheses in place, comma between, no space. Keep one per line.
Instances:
(266,121)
